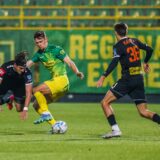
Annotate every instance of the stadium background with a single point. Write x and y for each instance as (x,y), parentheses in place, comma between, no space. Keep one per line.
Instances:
(85,30)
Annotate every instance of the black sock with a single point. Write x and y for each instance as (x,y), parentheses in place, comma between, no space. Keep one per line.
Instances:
(156,118)
(111,120)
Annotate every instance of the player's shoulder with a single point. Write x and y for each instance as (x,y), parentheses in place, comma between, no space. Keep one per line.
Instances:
(54,48)
(60,50)
(135,39)
(125,41)
(6,68)
(51,46)
(8,65)
(117,45)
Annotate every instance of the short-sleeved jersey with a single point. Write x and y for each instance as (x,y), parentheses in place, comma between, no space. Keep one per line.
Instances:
(52,58)
(11,79)
(128,51)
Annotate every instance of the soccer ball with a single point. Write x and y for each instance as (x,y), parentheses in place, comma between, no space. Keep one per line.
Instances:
(59,127)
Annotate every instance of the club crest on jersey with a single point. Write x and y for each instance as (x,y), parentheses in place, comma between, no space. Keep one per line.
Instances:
(62,51)
(29,77)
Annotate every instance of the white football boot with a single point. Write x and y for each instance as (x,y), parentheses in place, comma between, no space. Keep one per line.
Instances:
(112,134)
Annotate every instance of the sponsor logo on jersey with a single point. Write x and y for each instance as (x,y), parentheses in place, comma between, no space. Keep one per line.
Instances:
(2,71)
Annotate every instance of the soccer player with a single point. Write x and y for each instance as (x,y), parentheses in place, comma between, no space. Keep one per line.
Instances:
(127,52)
(16,84)
(54,59)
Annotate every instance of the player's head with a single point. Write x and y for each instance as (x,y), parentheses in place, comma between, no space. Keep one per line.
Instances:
(121,29)
(20,62)
(40,39)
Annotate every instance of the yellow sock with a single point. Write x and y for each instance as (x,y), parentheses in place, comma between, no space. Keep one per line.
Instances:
(43,107)
(52,121)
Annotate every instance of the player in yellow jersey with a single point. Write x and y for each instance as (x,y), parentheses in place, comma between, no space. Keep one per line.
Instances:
(54,59)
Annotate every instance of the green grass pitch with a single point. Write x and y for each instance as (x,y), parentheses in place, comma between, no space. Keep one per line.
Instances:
(22,140)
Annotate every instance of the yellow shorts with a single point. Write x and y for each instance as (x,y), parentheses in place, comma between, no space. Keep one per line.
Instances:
(58,86)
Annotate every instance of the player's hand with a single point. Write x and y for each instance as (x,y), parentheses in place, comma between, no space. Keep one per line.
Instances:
(100,81)
(24,115)
(80,75)
(146,67)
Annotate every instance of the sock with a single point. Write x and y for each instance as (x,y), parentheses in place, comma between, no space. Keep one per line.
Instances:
(156,118)
(52,121)
(41,101)
(43,107)
(111,120)
(113,123)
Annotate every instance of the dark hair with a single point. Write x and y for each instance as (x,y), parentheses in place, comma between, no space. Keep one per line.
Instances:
(39,34)
(21,58)
(121,29)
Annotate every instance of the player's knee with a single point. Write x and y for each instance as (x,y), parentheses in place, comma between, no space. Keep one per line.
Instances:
(104,103)
(143,113)
(19,109)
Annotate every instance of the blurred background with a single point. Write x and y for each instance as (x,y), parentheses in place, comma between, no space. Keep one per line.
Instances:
(84,28)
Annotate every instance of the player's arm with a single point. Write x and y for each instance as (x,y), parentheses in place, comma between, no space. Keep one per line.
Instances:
(28,88)
(72,65)
(24,113)
(33,60)
(110,68)
(30,63)
(149,52)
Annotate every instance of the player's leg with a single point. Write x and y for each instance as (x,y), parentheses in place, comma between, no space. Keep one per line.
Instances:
(144,112)
(19,107)
(8,98)
(50,91)
(58,86)
(41,105)
(117,90)
(19,97)
(138,96)
(108,111)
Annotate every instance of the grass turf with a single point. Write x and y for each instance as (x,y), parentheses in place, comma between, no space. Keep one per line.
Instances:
(22,140)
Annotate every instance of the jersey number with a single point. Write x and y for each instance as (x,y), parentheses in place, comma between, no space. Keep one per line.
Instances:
(134,53)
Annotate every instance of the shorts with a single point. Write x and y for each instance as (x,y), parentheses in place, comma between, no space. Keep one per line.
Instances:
(132,86)
(58,85)
(18,92)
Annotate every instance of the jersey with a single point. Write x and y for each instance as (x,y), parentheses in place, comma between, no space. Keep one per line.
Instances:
(11,80)
(52,59)
(128,51)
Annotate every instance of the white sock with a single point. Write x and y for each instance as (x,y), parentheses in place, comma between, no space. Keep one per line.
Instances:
(115,127)
(46,112)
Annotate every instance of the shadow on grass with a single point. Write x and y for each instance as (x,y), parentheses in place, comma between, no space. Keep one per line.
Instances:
(70,138)
(9,132)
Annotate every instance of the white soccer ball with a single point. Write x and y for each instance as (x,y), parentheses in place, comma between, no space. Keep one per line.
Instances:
(60,127)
